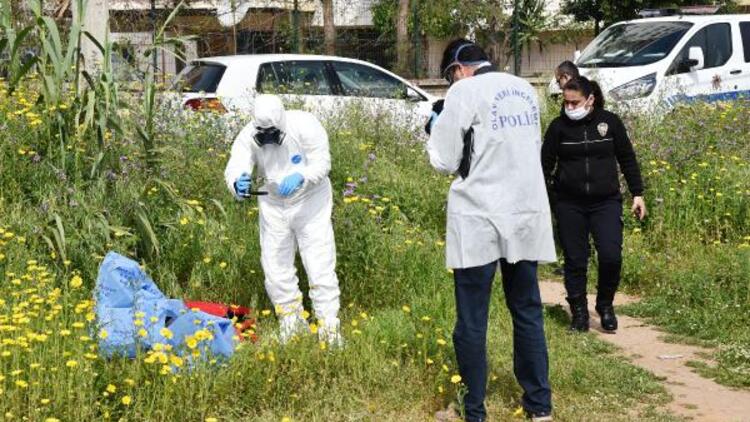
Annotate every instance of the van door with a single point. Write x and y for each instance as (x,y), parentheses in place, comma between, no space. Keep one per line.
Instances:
(741,72)
(712,82)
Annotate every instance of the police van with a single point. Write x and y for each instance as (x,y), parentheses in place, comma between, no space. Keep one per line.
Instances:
(658,62)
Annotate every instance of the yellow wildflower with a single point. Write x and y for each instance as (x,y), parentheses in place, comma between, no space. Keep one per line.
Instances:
(166,333)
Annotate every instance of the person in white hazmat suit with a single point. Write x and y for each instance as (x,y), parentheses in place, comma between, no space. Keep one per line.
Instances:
(488,134)
(289,149)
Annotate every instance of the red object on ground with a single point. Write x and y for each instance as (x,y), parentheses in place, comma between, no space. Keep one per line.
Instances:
(246,328)
(199,104)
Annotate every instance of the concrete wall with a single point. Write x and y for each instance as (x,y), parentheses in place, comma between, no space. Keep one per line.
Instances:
(542,61)
(347,13)
(534,61)
(304,5)
(434,53)
(166,63)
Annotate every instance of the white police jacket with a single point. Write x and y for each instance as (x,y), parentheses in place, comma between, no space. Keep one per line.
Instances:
(501,209)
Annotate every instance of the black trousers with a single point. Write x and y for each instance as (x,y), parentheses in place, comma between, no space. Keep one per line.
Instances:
(577,219)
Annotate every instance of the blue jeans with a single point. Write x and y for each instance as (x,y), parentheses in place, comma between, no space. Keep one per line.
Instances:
(530,360)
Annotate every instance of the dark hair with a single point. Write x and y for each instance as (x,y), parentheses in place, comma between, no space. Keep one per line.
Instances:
(469,53)
(567,68)
(586,87)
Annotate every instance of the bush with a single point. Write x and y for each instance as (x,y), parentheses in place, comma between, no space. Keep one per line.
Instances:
(691,258)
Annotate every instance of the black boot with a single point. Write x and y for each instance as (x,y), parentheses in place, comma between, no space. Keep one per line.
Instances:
(580,313)
(607,317)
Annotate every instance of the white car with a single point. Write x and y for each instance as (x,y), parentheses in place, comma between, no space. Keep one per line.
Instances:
(657,62)
(322,84)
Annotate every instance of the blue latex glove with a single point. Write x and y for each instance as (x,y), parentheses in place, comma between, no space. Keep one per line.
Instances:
(290,184)
(243,184)
(433,119)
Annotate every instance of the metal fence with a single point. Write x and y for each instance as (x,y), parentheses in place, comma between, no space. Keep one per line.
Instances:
(277,30)
(263,31)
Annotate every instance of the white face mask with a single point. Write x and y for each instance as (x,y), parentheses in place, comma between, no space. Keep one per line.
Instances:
(581,112)
(577,113)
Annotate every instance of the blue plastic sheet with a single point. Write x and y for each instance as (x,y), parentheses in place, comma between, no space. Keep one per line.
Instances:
(134,312)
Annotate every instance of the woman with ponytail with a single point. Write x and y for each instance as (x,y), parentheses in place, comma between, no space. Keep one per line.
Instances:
(582,150)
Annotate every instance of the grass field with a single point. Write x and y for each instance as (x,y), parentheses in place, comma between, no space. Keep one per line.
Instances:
(691,260)
(174,215)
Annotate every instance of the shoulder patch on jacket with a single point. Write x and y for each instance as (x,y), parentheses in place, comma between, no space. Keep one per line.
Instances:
(603,128)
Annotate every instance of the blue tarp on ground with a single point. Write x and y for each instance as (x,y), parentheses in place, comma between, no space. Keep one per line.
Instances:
(128,300)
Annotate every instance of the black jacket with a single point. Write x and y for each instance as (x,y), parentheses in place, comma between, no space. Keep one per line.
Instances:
(580,158)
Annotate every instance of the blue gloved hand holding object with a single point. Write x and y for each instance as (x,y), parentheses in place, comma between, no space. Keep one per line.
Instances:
(290,184)
(243,184)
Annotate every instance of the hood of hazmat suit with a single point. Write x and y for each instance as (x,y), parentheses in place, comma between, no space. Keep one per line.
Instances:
(269,112)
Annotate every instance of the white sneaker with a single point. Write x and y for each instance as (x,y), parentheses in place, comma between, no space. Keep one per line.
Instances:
(541,417)
(330,333)
(291,326)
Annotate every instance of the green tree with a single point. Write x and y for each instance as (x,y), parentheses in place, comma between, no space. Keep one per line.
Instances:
(489,21)
(610,11)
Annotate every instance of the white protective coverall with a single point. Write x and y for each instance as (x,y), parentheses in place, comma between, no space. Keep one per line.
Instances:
(501,209)
(302,219)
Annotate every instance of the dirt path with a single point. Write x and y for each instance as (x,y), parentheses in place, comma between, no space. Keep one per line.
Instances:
(695,397)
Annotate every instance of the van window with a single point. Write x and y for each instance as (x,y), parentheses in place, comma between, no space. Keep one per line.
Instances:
(745,30)
(200,77)
(364,81)
(715,41)
(633,44)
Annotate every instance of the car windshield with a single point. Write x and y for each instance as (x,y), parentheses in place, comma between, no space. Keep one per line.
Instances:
(200,77)
(633,44)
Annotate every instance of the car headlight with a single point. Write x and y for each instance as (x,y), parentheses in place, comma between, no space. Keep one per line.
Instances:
(639,88)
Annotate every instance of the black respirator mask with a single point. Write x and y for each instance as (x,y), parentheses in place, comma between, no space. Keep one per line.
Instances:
(268,136)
